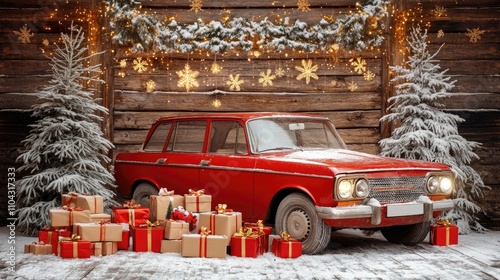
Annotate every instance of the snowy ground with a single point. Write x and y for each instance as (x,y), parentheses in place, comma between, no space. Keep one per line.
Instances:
(351,255)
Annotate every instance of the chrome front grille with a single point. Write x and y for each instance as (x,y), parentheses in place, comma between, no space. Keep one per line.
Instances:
(396,189)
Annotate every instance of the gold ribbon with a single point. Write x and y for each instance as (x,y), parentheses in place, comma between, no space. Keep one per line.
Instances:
(196,193)
(149,224)
(222,208)
(74,237)
(205,231)
(131,204)
(444,223)
(75,249)
(165,192)
(284,236)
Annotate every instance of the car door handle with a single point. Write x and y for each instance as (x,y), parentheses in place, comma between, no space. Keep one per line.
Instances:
(161,161)
(204,162)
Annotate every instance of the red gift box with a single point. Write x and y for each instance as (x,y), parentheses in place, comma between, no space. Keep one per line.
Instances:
(246,244)
(264,232)
(125,243)
(286,247)
(75,249)
(133,216)
(147,238)
(443,233)
(50,235)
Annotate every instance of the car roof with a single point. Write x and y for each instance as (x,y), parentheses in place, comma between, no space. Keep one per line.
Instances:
(243,116)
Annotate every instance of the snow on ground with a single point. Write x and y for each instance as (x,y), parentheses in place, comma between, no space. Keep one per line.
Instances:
(351,255)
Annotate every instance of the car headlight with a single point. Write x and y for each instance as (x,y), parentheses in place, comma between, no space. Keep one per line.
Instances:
(432,184)
(446,185)
(345,189)
(362,188)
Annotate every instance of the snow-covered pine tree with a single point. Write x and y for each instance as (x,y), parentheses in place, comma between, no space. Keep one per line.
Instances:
(426,132)
(65,150)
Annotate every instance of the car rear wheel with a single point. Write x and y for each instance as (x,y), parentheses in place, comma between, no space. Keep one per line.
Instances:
(297,216)
(407,235)
(142,193)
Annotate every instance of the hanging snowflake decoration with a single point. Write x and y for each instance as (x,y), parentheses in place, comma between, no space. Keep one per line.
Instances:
(307,71)
(369,75)
(140,65)
(216,103)
(24,34)
(474,34)
(196,6)
(187,78)
(440,33)
(45,42)
(150,86)
(123,63)
(352,86)
(234,82)
(215,68)
(303,5)
(266,78)
(279,72)
(334,83)
(439,12)
(359,65)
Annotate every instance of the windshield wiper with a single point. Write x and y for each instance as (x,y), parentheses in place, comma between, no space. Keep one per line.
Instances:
(279,149)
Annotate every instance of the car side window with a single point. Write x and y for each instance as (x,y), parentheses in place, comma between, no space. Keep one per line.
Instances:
(187,136)
(158,138)
(227,137)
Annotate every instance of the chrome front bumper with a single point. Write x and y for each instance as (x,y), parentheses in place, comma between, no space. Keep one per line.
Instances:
(424,207)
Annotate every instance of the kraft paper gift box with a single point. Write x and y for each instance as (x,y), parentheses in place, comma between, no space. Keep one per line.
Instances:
(443,233)
(158,204)
(38,248)
(134,215)
(221,224)
(66,216)
(171,246)
(99,231)
(109,248)
(246,244)
(204,246)
(74,249)
(175,229)
(96,249)
(100,217)
(147,238)
(50,235)
(93,203)
(286,247)
(196,201)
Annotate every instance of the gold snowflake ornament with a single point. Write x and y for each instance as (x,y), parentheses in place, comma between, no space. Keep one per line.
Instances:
(234,82)
(140,65)
(215,68)
(123,63)
(440,33)
(359,65)
(303,5)
(266,79)
(279,72)
(307,71)
(196,6)
(352,86)
(369,76)
(24,34)
(439,11)
(474,34)
(150,86)
(216,103)
(187,78)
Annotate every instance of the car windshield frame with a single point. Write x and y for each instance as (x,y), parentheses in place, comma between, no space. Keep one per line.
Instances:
(275,138)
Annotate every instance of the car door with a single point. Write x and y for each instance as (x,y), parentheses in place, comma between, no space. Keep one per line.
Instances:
(227,172)
(178,166)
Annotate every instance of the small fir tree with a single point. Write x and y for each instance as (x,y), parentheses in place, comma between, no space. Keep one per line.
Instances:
(426,132)
(169,211)
(65,150)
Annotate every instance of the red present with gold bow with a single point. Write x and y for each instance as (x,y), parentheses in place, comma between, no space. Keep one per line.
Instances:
(286,247)
(67,216)
(50,235)
(103,231)
(197,201)
(264,231)
(130,213)
(39,248)
(246,243)
(147,237)
(222,222)
(444,233)
(204,245)
(72,248)
(158,204)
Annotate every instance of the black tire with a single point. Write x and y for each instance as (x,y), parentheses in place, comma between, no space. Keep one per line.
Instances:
(297,216)
(407,235)
(142,193)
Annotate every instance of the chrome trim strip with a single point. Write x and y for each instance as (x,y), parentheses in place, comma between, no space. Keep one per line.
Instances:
(390,169)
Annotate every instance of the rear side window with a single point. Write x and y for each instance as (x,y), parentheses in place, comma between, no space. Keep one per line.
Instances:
(158,138)
(187,136)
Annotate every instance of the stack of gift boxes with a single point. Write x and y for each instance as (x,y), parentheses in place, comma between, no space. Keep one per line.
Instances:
(173,223)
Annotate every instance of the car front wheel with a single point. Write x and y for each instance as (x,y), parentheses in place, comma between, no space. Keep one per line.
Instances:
(407,235)
(297,216)
(142,193)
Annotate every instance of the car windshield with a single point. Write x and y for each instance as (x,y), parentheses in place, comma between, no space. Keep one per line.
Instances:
(289,133)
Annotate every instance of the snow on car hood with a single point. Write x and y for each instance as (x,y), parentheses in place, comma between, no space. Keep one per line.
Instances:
(346,161)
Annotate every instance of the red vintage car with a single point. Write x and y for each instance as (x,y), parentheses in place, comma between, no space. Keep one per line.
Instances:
(290,170)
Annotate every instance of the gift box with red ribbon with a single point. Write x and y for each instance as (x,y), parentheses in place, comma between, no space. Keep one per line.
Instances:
(131,213)
(147,237)
(93,203)
(444,233)
(171,246)
(197,201)
(50,235)
(222,221)
(286,247)
(67,216)
(158,204)
(246,243)
(72,248)
(175,229)
(103,231)
(204,245)
(39,248)
(100,217)
(96,249)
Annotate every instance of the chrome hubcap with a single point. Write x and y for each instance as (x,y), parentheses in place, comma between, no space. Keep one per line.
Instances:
(298,224)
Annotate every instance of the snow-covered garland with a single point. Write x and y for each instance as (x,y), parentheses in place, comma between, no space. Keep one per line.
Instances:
(359,30)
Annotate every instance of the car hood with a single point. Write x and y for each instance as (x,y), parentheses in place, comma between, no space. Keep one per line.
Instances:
(346,161)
